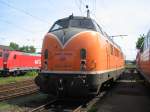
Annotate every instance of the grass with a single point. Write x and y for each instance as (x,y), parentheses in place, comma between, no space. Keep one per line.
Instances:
(9,108)
(93,109)
(130,66)
(4,106)
(12,79)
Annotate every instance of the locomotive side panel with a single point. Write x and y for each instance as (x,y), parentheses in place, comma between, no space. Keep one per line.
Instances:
(143,58)
(19,61)
(144,64)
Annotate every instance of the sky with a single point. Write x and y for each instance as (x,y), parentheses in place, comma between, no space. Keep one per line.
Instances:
(25,22)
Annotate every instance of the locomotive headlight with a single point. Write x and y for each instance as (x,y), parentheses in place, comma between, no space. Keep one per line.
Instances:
(83,81)
(5,62)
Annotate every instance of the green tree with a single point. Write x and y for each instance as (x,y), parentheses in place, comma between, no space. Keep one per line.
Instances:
(13,46)
(23,49)
(32,49)
(139,43)
(28,49)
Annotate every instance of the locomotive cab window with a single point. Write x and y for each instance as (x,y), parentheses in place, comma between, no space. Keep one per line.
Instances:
(85,23)
(60,24)
(82,23)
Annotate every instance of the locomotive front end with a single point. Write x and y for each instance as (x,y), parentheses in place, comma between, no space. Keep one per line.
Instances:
(78,58)
(68,58)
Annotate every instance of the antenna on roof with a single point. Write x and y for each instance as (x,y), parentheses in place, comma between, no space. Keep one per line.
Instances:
(88,11)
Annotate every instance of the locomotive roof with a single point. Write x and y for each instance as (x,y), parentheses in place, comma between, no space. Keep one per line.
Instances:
(71,17)
(74,17)
(24,53)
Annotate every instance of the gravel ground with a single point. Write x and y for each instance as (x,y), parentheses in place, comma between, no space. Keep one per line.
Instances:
(126,96)
(24,103)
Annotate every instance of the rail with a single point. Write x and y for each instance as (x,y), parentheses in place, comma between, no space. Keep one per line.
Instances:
(54,106)
(9,91)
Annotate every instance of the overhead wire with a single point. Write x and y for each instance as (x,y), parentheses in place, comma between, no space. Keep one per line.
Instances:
(20,28)
(17,26)
(78,4)
(24,11)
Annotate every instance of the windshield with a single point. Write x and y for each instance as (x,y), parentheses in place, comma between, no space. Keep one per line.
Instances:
(78,23)
(60,25)
(82,23)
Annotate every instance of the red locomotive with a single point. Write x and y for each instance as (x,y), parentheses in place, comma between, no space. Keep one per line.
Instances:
(3,49)
(143,58)
(78,58)
(15,62)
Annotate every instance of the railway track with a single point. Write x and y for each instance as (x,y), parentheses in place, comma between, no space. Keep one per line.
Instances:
(74,106)
(21,88)
(68,105)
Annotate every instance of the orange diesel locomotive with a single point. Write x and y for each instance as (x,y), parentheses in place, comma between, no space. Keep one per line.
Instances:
(78,58)
(143,58)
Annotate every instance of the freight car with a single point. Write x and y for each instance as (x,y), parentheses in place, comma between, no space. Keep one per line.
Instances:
(78,58)
(143,58)
(15,62)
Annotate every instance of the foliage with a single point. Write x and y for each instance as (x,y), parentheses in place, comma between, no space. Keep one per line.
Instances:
(28,49)
(130,66)
(12,79)
(139,43)
(31,73)
(13,46)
